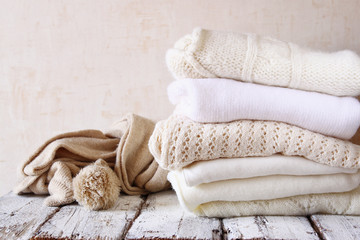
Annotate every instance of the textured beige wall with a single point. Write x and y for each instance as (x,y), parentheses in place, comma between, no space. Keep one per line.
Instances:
(67,65)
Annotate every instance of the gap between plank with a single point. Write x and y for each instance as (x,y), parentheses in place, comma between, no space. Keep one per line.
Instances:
(223,234)
(36,231)
(315,227)
(137,214)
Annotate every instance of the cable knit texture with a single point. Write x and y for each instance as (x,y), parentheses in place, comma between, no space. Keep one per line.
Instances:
(179,141)
(264,60)
(347,203)
(224,100)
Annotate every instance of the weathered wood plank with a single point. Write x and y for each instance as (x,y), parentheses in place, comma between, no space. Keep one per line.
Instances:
(337,227)
(160,217)
(271,227)
(163,218)
(21,216)
(75,222)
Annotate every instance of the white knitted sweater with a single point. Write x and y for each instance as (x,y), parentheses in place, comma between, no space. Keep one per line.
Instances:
(215,100)
(179,141)
(264,60)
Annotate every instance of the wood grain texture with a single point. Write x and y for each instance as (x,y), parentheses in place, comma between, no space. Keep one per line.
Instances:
(75,222)
(163,218)
(271,227)
(332,227)
(157,216)
(22,216)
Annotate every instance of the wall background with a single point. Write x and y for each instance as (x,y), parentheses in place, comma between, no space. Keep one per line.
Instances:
(68,65)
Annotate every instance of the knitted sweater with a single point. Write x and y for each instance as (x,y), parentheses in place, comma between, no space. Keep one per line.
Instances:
(263,60)
(179,141)
(328,203)
(249,167)
(224,100)
(260,188)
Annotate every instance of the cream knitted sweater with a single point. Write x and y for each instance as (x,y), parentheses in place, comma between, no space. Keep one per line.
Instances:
(330,203)
(259,188)
(251,167)
(179,141)
(263,60)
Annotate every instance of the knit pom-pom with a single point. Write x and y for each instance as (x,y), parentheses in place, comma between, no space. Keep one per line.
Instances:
(96,186)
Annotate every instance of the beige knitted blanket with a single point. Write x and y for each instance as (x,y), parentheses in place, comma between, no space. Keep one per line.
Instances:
(124,147)
(179,141)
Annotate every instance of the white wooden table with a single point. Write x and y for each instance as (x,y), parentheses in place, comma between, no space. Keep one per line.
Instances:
(157,216)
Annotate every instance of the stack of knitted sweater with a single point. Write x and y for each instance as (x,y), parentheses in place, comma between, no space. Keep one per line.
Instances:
(261,127)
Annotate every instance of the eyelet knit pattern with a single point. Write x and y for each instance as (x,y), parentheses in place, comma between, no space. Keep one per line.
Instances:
(179,141)
(264,60)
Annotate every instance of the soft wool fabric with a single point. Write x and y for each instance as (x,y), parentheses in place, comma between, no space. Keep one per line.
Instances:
(179,141)
(248,167)
(264,60)
(224,100)
(124,147)
(260,188)
(347,203)
(135,166)
(57,182)
(96,186)
(51,168)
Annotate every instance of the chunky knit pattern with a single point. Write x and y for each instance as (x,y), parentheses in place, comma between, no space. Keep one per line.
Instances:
(179,141)
(96,186)
(264,60)
(329,203)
